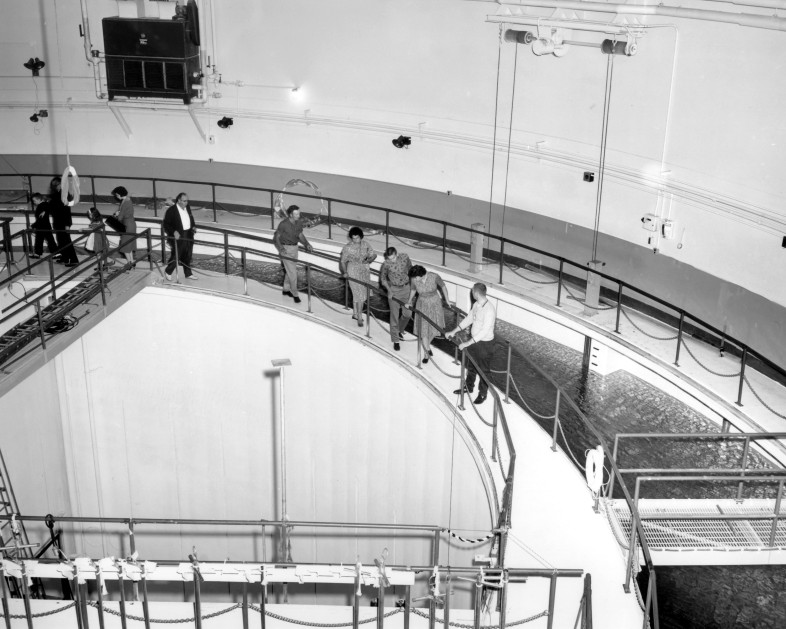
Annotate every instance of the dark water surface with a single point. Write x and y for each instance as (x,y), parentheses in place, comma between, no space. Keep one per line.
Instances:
(689,597)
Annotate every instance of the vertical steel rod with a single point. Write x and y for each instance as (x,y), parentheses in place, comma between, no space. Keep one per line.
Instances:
(556,421)
(463,381)
(273,212)
(494,432)
(503,601)
(308,286)
(501,259)
(559,281)
(245,605)
(93,188)
(40,324)
(387,229)
(774,528)
(263,607)
(552,598)
(226,253)
(100,591)
(245,270)
(145,606)
(155,200)
(122,587)
(743,362)
(77,602)
(478,602)
(368,312)
(356,604)
(743,465)
(380,606)
(619,309)
(507,375)
(213,189)
(330,220)
(632,542)
(4,593)
(679,339)
(407,605)
(444,242)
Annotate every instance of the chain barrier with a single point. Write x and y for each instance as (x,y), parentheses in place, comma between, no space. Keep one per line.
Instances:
(306,623)
(513,268)
(499,462)
(379,309)
(468,540)
(652,336)
(567,447)
(762,402)
(167,621)
(41,614)
(583,302)
(545,612)
(442,371)
(333,308)
(703,366)
(477,412)
(411,243)
(527,406)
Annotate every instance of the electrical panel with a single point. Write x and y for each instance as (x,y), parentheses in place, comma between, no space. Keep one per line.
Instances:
(650,222)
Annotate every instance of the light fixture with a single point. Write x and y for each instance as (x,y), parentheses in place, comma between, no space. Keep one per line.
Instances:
(225,122)
(34,65)
(34,118)
(402,142)
(41,113)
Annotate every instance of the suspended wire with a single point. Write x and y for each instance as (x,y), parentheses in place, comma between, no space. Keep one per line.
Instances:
(494,140)
(603,138)
(510,136)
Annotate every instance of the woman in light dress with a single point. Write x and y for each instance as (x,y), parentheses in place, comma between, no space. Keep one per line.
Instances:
(427,286)
(356,256)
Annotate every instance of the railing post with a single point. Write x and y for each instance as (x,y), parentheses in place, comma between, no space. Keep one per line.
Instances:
(77,594)
(463,380)
(101,281)
(308,286)
(612,476)
(93,189)
(132,548)
(197,595)
(149,243)
(226,253)
(619,309)
(346,293)
(380,605)
(155,200)
(559,281)
(743,466)
(507,374)
(213,190)
(263,606)
(121,585)
(9,256)
(273,212)
(503,601)
(501,259)
(145,605)
(679,339)
(4,594)
(330,221)
(494,433)
(588,601)
(100,592)
(26,596)
(163,246)
(356,603)
(40,324)
(244,606)
(387,229)
(552,598)
(446,603)
(648,604)
(407,605)
(777,512)
(655,615)
(444,242)
(632,542)
(245,270)
(368,312)
(52,277)
(478,602)
(743,362)
(556,421)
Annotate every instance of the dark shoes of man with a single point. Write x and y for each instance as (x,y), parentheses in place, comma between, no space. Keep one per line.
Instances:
(397,346)
(466,390)
(297,299)
(480,399)
(287,293)
(401,336)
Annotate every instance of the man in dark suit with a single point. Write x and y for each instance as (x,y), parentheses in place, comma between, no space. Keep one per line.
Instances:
(42,227)
(61,223)
(179,226)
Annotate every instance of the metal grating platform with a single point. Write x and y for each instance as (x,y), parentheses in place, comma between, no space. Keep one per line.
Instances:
(694,533)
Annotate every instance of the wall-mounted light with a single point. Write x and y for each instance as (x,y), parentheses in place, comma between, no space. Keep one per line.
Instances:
(41,113)
(402,142)
(34,65)
(225,122)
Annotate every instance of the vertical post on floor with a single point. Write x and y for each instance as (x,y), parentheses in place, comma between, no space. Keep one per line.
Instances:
(155,200)
(52,277)
(552,598)
(463,380)
(149,243)
(407,605)
(93,188)
(77,603)
(774,528)
(213,190)
(444,242)
(40,324)
(26,596)
(679,339)
(132,548)
(556,421)
(446,605)
(226,253)
(145,606)
(356,603)
(387,230)
(245,270)
(494,432)
(612,477)
(163,246)
(83,605)
(273,212)
(122,587)
(501,258)
(744,466)
(346,293)
(619,309)
(419,334)
(632,553)
(263,606)
(559,281)
(380,605)
(4,595)
(197,594)
(478,602)
(368,312)
(743,362)
(244,606)
(507,375)
(648,604)
(455,355)
(101,282)
(100,592)
(503,601)
(725,425)
(308,286)
(27,248)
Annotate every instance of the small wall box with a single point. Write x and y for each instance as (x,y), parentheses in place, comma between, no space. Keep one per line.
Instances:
(649,222)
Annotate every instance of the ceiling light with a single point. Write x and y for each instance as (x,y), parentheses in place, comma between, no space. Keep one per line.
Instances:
(402,142)
(225,122)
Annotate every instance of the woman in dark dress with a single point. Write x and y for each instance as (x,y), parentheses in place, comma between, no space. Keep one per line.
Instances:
(125,214)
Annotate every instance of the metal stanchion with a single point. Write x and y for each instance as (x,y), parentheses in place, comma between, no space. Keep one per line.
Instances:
(556,421)
(507,374)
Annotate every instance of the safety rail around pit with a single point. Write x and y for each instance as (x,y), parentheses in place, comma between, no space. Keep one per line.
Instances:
(142,573)
(507,253)
(242,258)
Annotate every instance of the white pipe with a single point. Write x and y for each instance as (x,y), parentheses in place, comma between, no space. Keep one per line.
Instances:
(94,61)
(608,28)
(740,19)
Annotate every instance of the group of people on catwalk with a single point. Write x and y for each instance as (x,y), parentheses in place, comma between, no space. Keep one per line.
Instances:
(405,285)
(53,221)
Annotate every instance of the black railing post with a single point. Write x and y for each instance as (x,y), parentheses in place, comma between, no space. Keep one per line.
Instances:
(679,339)
(501,258)
(330,220)
(149,243)
(245,270)
(552,598)
(619,309)
(101,281)
(4,596)
(387,229)
(273,212)
(444,242)
(559,281)
(226,253)
(507,374)
(93,190)
(213,191)
(743,362)
(308,285)
(155,200)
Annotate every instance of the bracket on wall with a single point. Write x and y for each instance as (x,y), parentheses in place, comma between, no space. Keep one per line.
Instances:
(197,124)
(121,120)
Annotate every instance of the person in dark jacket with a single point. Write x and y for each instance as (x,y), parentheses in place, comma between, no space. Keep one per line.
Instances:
(179,226)
(42,227)
(61,222)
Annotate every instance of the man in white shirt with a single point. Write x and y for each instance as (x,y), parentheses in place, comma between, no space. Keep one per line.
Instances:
(480,345)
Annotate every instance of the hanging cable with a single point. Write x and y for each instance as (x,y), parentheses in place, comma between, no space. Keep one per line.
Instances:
(603,138)
(494,139)
(510,136)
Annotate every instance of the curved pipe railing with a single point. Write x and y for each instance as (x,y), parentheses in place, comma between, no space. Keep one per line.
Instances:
(620,288)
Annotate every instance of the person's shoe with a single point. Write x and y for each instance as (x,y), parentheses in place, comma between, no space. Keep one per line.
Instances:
(33,255)
(401,336)
(360,323)
(287,293)
(430,353)
(397,346)
(168,276)
(480,399)
(71,264)
(297,300)
(466,388)
(425,360)
(192,277)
